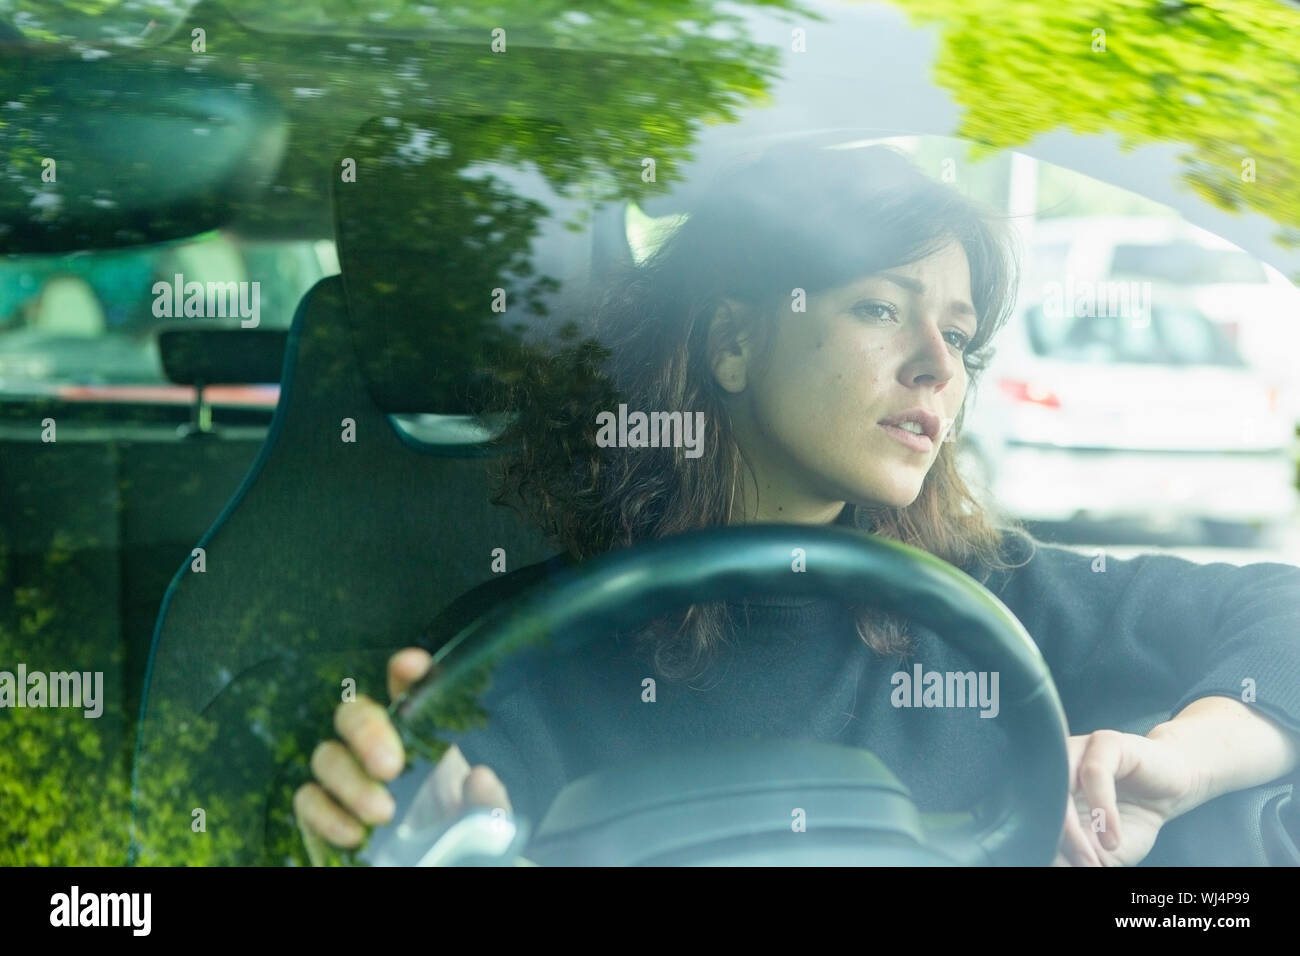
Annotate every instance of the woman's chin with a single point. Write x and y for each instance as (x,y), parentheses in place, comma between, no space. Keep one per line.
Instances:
(894,496)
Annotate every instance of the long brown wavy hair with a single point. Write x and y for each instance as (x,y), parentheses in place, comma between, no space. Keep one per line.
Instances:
(798,218)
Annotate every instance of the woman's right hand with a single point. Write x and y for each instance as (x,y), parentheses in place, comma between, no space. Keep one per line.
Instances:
(347,795)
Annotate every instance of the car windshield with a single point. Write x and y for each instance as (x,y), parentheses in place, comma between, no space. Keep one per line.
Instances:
(362,327)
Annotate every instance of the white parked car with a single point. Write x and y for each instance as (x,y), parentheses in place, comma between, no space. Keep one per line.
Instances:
(1254,304)
(1154,419)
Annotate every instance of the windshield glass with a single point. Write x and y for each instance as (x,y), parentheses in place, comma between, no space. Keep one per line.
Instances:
(518,289)
(602,284)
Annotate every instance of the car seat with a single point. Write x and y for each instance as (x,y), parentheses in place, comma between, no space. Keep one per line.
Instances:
(329,550)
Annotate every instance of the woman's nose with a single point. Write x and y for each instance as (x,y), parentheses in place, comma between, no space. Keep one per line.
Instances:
(931,359)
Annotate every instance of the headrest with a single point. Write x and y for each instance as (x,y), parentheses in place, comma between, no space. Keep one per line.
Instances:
(221,355)
(450,254)
(68,307)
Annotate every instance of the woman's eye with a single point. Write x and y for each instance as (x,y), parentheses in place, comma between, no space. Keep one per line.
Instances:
(876,310)
(958,340)
(885,311)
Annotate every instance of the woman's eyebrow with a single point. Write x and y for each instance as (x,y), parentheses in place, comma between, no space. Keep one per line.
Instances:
(917,287)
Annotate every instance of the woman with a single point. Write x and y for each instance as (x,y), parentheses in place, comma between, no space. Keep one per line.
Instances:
(827,313)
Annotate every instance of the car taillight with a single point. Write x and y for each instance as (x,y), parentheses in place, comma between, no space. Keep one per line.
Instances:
(1031,392)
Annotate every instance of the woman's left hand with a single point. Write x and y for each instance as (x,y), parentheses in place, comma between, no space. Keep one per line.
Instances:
(1123,789)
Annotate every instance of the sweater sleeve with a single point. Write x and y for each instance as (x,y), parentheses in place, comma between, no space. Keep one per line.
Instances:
(1149,635)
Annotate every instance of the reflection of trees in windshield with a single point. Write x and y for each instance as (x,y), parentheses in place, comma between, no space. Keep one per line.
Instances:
(1221,80)
(705,69)
(239,700)
(86,25)
(238,762)
(686,28)
(63,775)
(430,228)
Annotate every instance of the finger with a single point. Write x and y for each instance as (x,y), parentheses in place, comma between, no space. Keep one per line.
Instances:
(339,773)
(316,810)
(483,789)
(449,781)
(1075,747)
(316,847)
(1075,845)
(1103,762)
(405,668)
(364,726)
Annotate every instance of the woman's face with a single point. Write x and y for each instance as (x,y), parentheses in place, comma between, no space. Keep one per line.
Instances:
(831,416)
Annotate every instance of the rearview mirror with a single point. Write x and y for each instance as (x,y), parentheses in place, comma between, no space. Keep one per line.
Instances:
(101,154)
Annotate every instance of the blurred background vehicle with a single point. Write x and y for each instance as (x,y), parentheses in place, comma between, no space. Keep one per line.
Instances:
(1151,419)
(82,326)
(1253,304)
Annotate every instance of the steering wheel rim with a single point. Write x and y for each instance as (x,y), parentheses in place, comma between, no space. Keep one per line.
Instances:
(614,590)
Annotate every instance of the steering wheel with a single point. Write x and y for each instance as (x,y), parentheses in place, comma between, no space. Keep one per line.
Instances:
(732,802)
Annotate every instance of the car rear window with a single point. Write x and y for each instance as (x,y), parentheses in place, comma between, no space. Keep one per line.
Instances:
(90,319)
(1171,335)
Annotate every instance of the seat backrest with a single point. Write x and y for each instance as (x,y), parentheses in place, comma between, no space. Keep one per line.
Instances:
(349,537)
(68,306)
(341,536)
(345,537)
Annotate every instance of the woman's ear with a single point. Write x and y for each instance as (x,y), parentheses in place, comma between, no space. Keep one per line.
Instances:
(729,347)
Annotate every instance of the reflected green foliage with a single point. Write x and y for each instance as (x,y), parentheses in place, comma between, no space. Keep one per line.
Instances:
(62,774)
(704,66)
(243,758)
(103,154)
(240,762)
(422,329)
(63,789)
(89,24)
(1218,77)
(249,671)
(65,777)
(689,28)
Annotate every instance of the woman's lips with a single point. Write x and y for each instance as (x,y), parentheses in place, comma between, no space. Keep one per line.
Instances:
(917,443)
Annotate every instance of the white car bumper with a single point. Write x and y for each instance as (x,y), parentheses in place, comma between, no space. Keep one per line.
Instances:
(1039,483)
